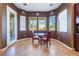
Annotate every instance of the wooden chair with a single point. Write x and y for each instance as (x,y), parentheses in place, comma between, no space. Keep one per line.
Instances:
(34,37)
(46,39)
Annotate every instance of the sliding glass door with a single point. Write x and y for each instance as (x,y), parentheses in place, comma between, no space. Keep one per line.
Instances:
(11,26)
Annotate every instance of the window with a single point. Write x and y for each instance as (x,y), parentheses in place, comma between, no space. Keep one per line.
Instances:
(63,21)
(52,23)
(42,23)
(32,23)
(22,23)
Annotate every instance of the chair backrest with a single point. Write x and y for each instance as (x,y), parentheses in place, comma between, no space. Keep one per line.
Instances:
(33,34)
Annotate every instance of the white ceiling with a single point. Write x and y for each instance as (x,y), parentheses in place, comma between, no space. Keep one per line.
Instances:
(38,6)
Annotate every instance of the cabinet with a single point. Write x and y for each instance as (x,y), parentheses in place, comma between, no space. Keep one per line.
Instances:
(76,41)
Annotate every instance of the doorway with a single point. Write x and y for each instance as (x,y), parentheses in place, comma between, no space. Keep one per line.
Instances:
(11,26)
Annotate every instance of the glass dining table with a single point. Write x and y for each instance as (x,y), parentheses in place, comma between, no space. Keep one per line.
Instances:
(40,34)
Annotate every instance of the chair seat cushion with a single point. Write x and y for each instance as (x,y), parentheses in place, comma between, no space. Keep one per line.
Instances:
(36,36)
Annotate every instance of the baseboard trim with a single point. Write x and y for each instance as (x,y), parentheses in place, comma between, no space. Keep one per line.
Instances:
(15,42)
(23,39)
(30,38)
(70,48)
(6,47)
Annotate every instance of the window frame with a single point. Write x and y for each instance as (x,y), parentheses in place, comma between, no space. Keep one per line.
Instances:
(63,26)
(54,21)
(45,23)
(29,23)
(22,22)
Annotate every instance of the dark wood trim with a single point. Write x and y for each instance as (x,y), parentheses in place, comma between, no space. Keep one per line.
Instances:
(76,35)
(1,7)
(75,26)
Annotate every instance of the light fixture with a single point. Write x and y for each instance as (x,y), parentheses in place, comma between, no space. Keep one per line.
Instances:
(52,12)
(25,4)
(23,12)
(51,4)
(37,14)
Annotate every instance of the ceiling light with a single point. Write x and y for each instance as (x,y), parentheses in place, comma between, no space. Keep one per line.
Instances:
(23,12)
(37,14)
(51,4)
(25,4)
(51,13)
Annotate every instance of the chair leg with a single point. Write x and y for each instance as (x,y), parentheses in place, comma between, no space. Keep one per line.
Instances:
(41,42)
(50,42)
(47,44)
(38,41)
(32,41)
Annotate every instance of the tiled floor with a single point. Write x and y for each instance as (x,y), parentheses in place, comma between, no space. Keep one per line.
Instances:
(25,48)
